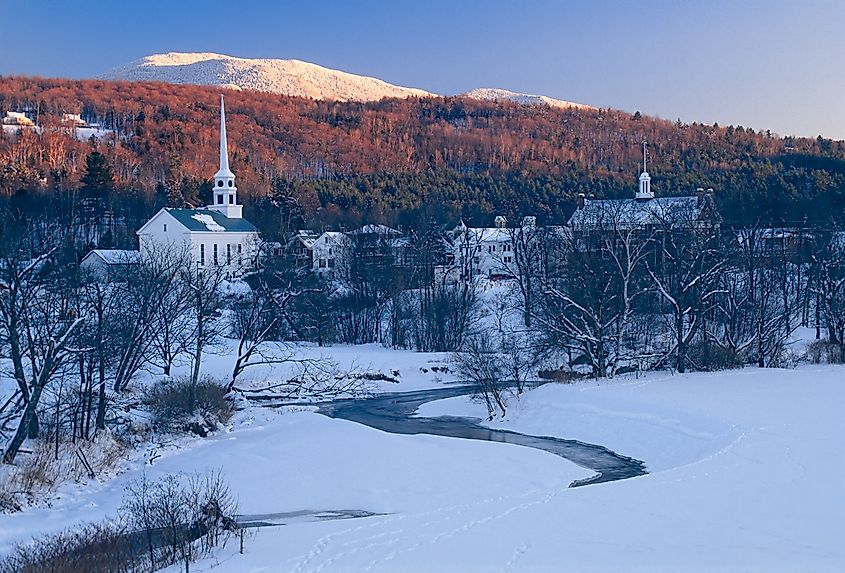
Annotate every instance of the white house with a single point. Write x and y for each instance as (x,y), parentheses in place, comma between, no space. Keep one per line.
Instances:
(108,265)
(17,118)
(484,251)
(216,236)
(330,251)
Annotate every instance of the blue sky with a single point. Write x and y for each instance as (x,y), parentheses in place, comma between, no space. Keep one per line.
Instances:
(773,64)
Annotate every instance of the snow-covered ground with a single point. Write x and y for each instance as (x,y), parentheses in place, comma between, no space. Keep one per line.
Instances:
(746,475)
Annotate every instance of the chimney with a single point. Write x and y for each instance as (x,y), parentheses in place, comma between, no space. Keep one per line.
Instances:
(580,200)
(699,196)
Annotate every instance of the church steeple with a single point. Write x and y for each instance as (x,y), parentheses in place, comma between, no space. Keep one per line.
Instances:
(644,192)
(225,191)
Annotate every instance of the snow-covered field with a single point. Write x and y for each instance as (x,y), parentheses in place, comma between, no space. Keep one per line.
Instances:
(746,475)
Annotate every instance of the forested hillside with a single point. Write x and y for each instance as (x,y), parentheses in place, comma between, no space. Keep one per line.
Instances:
(402,162)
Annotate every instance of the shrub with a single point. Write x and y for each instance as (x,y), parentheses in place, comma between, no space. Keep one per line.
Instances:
(172,520)
(42,469)
(708,356)
(169,405)
(95,548)
(559,375)
(826,352)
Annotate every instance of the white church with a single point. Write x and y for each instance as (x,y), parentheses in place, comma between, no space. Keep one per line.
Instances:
(216,236)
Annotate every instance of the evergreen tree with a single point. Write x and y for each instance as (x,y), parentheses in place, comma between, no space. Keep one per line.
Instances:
(98,174)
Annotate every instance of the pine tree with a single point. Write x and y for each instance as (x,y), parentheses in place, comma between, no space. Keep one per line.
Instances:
(173,183)
(98,174)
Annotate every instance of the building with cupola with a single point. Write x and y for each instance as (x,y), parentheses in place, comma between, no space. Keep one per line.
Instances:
(215,236)
(643,212)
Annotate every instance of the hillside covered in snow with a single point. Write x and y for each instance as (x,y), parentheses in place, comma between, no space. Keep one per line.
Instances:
(287,77)
(495,94)
(294,78)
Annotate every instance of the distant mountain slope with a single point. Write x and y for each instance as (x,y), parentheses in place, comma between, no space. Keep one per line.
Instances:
(286,77)
(293,78)
(494,94)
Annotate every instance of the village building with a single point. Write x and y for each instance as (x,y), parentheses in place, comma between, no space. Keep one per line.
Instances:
(216,236)
(644,213)
(330,252)
(109,265)
(17,118)
(484,251)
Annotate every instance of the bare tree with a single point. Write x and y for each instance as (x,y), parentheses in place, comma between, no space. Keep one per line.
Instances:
(134,324)
(828,285)
(686,276)
(47,329)
(203,288)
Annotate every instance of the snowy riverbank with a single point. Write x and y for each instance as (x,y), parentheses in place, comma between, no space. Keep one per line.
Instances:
(745,475)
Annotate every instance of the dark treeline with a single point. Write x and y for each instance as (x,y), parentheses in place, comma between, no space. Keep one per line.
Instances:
(401,162)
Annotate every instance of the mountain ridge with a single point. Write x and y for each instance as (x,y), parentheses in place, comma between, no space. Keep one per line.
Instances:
(286,77)
(294,78)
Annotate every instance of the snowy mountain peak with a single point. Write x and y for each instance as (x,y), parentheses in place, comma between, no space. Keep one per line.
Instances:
(495,94)
(287,77)
(292,78)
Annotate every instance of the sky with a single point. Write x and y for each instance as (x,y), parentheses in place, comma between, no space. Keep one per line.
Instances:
(766,64)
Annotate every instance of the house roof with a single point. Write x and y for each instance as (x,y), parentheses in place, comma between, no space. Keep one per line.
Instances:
(209,220)
(115,256)
(626,213)
(305,237)
(375,230)
(485,234)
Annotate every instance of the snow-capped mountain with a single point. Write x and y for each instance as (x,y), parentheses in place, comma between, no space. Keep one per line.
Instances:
(288,77)
(293,78)
(494,94)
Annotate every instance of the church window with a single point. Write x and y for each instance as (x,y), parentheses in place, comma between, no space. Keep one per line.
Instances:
(231,183)
(202,255)
(231,199)
(220,183)
(220,199)
(229,254)
(215,254)
(165,227)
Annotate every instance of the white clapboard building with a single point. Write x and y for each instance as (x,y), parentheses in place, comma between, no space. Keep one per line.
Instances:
(215,236)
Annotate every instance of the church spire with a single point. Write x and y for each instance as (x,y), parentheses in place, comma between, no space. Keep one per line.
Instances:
(644,192)
(224,170)
(225,191)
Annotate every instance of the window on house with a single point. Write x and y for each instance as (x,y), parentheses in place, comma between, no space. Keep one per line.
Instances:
(331,263)
(202,255)
(330,251)
(228,254)
(322,263)
(165,227)
(220,199)
(231,199)
(215,254)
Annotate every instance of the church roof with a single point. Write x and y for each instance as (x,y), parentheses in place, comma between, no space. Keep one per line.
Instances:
(208,220)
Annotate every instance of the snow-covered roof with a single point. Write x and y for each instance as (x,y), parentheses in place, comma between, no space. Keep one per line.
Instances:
(306,237)
(484,235)
(115,256)
(208,220)
(627,213)
(332,237)
(372,229)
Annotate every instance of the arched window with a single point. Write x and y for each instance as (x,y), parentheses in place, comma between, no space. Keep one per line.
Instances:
(231,183)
